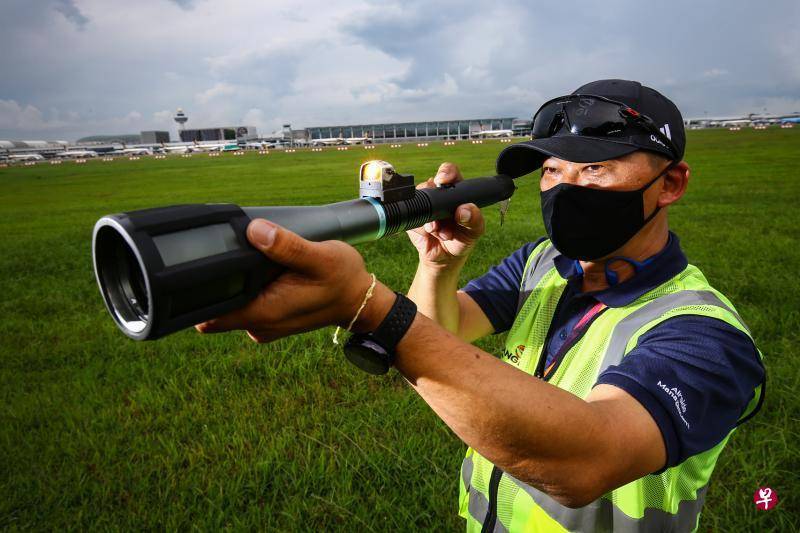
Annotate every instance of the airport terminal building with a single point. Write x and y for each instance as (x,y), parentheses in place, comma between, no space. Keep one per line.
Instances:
(221,133)
(154,137)
(44,148)
(405,131)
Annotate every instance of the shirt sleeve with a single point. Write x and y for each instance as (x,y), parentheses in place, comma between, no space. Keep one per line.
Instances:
(695,375)
(497,291)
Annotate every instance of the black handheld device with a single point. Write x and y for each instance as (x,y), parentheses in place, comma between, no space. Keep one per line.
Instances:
(164,269)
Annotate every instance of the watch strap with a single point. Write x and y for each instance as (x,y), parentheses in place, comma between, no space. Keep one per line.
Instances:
(396,323)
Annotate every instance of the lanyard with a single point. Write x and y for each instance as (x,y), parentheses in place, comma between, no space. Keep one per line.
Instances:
(580,328)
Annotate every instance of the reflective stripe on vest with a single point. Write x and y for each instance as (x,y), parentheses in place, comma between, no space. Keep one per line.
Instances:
(478,504)
(544,263)
(479,508)
(623,332)
(602,515)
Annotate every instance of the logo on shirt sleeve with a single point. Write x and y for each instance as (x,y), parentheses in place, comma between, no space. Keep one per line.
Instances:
(677,397)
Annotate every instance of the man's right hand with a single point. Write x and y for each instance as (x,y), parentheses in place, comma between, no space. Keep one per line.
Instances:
(446,244)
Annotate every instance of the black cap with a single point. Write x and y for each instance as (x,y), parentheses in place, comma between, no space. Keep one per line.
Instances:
(525,157)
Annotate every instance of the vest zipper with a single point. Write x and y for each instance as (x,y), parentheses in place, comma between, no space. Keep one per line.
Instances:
(566,347)
(491,517)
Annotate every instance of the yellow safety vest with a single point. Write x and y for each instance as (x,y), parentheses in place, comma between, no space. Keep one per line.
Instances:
(672,500)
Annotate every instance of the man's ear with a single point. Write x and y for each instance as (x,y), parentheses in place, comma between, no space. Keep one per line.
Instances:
(676,179)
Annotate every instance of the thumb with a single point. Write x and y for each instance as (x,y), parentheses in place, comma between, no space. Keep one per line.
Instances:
(283,246)
(469,217)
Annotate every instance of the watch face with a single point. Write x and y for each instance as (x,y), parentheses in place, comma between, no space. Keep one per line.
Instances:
(367,355)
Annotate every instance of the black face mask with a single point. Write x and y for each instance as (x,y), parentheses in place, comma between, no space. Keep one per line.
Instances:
(587,224)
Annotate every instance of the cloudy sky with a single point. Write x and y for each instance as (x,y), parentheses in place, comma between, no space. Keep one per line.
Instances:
(70,68)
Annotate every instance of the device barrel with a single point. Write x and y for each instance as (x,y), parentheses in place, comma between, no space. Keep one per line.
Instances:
(161,270)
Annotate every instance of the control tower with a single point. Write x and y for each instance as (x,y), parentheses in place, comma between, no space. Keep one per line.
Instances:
(181,118)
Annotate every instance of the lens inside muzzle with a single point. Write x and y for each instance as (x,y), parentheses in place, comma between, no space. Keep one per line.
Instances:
(121,279)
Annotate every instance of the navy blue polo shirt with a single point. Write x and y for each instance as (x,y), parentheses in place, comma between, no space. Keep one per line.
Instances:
(712,367)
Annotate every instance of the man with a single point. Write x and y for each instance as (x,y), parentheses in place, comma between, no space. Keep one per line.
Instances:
(624,372)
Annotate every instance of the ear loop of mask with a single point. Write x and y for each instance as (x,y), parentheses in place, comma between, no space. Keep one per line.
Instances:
(611,277)
(647,186)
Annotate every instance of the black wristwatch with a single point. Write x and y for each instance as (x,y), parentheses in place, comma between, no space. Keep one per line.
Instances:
(374,352)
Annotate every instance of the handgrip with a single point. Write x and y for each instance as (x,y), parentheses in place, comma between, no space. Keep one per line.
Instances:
(479,191)
(441,202)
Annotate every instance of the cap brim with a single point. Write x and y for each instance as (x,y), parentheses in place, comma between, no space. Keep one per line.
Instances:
(525,157)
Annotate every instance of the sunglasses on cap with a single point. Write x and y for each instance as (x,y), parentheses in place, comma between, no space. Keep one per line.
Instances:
(588,115)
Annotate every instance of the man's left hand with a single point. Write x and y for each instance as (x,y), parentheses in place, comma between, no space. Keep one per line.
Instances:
(324,284)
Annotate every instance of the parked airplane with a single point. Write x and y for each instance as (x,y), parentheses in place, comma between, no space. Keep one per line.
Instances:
(26,157)
(752,118)
(180,149)
(258,145)
(358,140)
(77,154)
(329,141)
(494,133)
(133,151)
(737,122)
(211,147)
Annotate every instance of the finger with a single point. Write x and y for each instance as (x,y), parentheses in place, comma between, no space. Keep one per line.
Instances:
(421,240)
(448,173)
(419,231)
(445,233)
(425,229)
(259,337)
(447,230)
(469,217)
(285,247)
(234,320)
(427,184)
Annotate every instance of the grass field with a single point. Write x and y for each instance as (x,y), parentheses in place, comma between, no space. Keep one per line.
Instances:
(210,432)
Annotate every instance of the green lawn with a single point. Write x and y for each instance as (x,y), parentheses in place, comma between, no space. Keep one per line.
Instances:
(209,432)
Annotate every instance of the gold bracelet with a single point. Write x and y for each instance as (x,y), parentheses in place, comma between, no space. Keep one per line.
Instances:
(363,305)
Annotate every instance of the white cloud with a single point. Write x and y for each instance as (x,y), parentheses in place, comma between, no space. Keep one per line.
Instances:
(254,117)
(132,117)
(29,118)
(163,116)
(715,72)
(386,91)
(218,89)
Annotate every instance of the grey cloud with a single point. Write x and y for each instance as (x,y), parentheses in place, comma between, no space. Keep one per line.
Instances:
(323,62)
(184,4)
(544,50)
(271,70)
(72,13)
(417,31)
